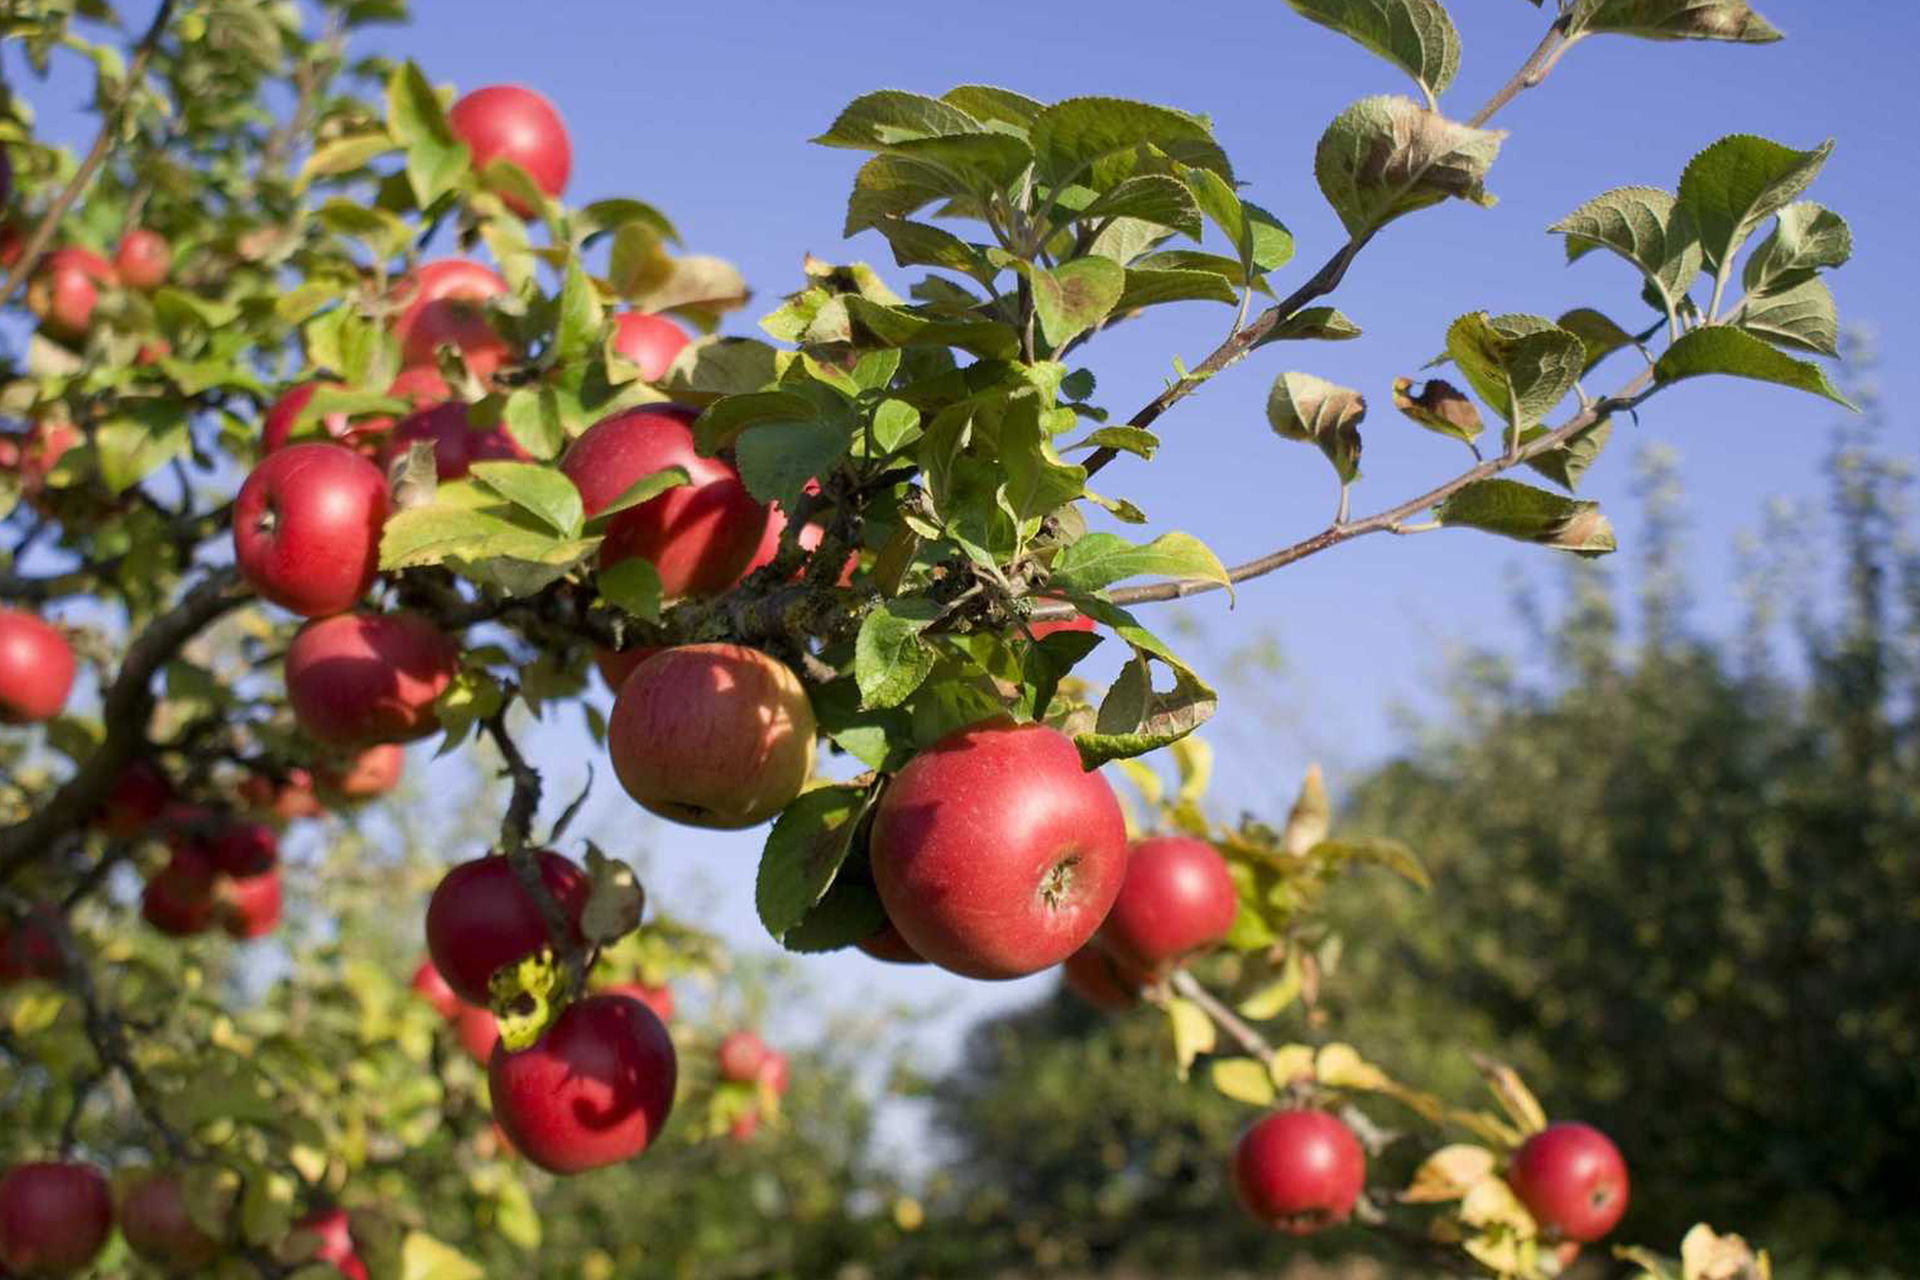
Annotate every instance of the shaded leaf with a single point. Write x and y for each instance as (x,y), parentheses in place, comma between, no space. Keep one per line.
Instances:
(803,854)
(1440,407)
(1314,411)
(1522,365)
(1646,226)
(1387,156)
(1719,349)
(1514,510)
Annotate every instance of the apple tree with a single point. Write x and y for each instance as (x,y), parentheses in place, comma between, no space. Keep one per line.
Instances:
(341,429)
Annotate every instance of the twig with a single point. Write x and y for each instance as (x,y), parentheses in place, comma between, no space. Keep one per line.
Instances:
(1539,63)
(516,830)
(1190,988)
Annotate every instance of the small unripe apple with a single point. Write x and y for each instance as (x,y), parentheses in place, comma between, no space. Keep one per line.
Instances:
(1177,897)
(995,852)
(143,259)
(477,1030)
(595,1089)
(480,919)
(712,735)
(1103,981)
(36,669)
(54,1218)
(1572,1180)
(249,906)
(244,849)
(431,987)
(444,305)
(658,999)
(615,665)
(888,945)
(366,775)
(65,288)
(179,901)
(327,1236)
(649,341)
(154,1219)
(140,795)
(30,946)
(356,679)
(700,536)
(507,122)
(306,528)
(741,1054)
(457,445)
(282,800)
(1299,1171)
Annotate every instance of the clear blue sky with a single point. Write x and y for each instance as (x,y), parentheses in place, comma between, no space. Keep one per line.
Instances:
(705,110)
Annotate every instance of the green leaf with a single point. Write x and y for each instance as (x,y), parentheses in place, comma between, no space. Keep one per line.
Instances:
(1076,296)
(135,443)
(342,155)
(1101,559)
(1096,141)
(1732,20)
(899,327)
(989,104)
(1137,441)
(777,459)
(1150,197)
(1805,239)
(1523,366)
(1151,286)
(1323,324)
(531,416)
(540,491)
(1314,411)
(890,660)
(850,911)
(436,159)
(1719,349)
(1374,851)
(1388,156)
(645,489)
(1802,317)
(890,116)
(431,534)
(923,244)
(1260,242)
(1415,35)
(1646,226)
(424,1258)
(709,368)
(1243,1080)
(1566,464)
(1440,407)
(1134,717)
(1600,335)
(578,325)
(803,854)
(1740,181)
(893,186)
(1514,510)
(632,584)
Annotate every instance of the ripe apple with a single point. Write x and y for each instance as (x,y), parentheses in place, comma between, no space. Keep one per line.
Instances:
(743,1127)
(30,946)
(507,122)
(741,1054)
(276,428)
(152,352)
(36,669)
(649,341)
(306,528)
(595,1089)
(1572,1180)
(244,849)
(419,385)
(809,539)
(143,259)
(431,987)
(700,536)
(249,906)
(33,454)
(480,919)
(179,901)
(888,945)
(457,445)
(773,1072)
(996,854)
(658,999)
(54,1218)
(477,1030)
(616,665)
(282,800)
(65,288)
(356,679)
(155,1221)
(1106,983)
(140,795)
(327,1236)
(365,776)
(712,735)
(443,305)
(1299,1171)
(1177,897)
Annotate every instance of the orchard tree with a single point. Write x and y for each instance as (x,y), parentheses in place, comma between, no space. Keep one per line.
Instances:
(340,429)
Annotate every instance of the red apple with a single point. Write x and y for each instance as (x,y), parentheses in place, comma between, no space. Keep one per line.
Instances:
(419,385)
(244,849)
(140,795)
(65,288)
(773,1072)
(444,306)
(143,259)
(1572,1180)
(431,987)
(700,536)
(306,528)
(179,901)
(712,735)
(155,1221)
(327,1236)
(1104,982)
(30,946)
(36,669)
(33,454)
(152,352)
(741,1054)
(888,945)
(456,444)
(649,341)
(356,679)
(616,665)
(1299,1171)
(658,999)
(281,801)
(477,1030)
(996,854)
(54,1218)
(809,539)
(1177,897)
(276,428)
(481,919)
(595,1089)
(367,775)
(743,1127)
(249,906)
(507,122)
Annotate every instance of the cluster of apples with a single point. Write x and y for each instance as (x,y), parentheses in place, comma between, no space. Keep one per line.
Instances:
(56,1217)
(744,1058)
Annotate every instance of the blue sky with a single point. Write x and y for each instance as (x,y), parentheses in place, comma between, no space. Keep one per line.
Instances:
(705,110)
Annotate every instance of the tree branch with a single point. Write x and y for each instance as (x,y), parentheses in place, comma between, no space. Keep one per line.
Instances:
(1539,63)
(516,833)
(1188,987)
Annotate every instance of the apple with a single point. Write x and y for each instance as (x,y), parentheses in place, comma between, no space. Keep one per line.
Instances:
(431,987)
(276,428)
(809,539)
(280,800)
(443,304)
(365,776)
(248,906)
(30,946)
(54,1218)
(356,679)
(457,444)
(244,849)
(741,1054)
(66,287)
(143,259)
(419,385)
(507,122)
(712,735)
(888,945)
(152,352)
(481,919)
(1103,981)
(33,454)
(179,901)
(773,1072)
(306,528)
(702,535)
(154,1219)
(1299,1171)
(743,1127)
(1177,897)
(658,999)
(594,1090)
(327,1236)
(36,669)
(1572,1180)
(615,665)
(140,795)
(996,854)
(649,341)
(477,1030)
